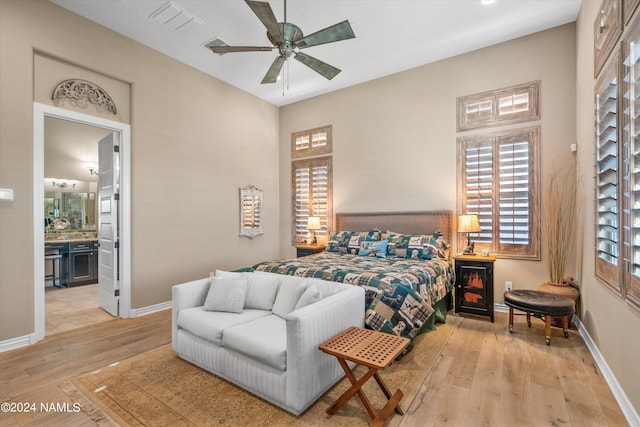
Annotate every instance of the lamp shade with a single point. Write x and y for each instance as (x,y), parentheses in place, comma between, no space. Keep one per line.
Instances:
(468,224)
(313,223)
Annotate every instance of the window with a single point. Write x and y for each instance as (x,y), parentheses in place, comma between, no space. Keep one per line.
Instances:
(312,196)
(510,105)
(617,174)
(311,142)
(499,181)
(631,140)
(607,180)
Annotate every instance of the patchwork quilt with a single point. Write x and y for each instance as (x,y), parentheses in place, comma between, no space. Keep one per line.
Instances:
(400,292)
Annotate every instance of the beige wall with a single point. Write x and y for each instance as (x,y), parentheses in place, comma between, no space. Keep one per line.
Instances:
(394,149)
(194,141)
(611,322)
(395,137)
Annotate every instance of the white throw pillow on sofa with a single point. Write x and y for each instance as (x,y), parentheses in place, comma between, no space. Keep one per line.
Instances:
(226,294)
(261,292)
(311,295)
(288,296)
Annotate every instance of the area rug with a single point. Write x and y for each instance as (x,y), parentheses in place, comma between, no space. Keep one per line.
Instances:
(158,388)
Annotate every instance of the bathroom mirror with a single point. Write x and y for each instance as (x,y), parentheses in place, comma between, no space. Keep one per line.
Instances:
(77,208)
(250,211)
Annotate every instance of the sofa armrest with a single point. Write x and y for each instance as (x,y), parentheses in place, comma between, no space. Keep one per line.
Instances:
(309,371)
(186,295)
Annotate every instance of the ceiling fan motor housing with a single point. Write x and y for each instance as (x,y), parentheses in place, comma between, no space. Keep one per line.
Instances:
(291,34)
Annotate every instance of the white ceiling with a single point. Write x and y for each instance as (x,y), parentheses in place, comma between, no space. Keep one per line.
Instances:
(391,35)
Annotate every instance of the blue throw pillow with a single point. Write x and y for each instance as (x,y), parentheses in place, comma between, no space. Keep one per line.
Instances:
(377,249)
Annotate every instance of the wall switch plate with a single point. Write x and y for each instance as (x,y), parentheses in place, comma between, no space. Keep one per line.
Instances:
(508,286)
(6,194)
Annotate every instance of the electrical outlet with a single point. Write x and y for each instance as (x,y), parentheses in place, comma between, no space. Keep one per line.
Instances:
(508,286)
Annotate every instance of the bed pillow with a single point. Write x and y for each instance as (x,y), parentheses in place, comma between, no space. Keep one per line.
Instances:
(309,296)
(354,244)
(438,247)
(373,235)
(377,249)
(409,246)
(226,294)
(338,240)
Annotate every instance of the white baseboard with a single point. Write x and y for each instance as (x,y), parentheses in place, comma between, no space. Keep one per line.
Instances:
(14,343)
(137,312)
(25,340)
(500,308)
(626,407)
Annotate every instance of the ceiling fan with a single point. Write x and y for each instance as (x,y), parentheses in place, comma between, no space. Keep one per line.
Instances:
(288,39)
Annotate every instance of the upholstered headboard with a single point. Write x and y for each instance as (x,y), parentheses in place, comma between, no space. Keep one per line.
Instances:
(417,222)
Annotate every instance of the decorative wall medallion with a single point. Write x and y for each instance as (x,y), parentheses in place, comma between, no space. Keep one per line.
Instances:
(80,93)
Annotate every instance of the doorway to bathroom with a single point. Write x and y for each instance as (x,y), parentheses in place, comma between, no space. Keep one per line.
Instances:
(112,290)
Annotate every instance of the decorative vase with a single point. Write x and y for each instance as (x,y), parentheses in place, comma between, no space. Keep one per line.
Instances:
(568,288)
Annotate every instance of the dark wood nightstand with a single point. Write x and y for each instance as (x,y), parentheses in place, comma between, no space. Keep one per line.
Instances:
(304,250)
(474,284)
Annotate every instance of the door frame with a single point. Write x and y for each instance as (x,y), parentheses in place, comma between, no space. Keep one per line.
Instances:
(40,112)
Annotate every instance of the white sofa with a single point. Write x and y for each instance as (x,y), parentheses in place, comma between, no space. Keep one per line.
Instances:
(270,348)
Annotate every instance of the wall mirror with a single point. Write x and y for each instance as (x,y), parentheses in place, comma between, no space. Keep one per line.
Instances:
(250,211)
(75,204)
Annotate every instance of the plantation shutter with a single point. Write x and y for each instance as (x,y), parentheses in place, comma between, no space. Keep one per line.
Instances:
(607,251)
(515,104)
(501,168)
(312,194)
(632,153)
(311,142)
(513,200)
(479,188)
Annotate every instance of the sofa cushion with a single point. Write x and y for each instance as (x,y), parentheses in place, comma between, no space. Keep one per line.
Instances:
(209,325)
(325,287)
(309,296)
(288,295)
(226,294)
(264,340)
(262,291)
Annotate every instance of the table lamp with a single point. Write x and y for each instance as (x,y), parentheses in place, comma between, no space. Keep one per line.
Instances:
(468,224)
(313,224)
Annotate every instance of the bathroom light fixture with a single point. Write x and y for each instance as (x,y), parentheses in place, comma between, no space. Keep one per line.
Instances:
(92,168)
(63,184)
(469,224)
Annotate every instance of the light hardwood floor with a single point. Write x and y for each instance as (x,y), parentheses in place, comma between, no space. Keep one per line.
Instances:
(484,376)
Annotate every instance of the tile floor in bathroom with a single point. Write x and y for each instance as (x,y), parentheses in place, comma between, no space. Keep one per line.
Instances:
(71,308)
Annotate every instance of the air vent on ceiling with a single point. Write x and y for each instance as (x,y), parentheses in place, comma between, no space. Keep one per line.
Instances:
(215,42)
(176,17)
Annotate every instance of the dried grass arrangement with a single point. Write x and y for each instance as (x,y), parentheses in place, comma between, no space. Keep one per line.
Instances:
(559,217)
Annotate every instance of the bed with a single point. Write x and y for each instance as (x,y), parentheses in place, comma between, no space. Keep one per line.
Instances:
(405,267)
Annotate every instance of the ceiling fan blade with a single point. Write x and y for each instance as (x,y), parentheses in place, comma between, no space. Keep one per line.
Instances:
(334,33)
(263,11)
(318,66)
(229,49)
(274,71)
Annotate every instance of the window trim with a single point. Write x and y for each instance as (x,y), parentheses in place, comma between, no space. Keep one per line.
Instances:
(312,151)
(533,249)
(328,218)
(609,274)
(465,123)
